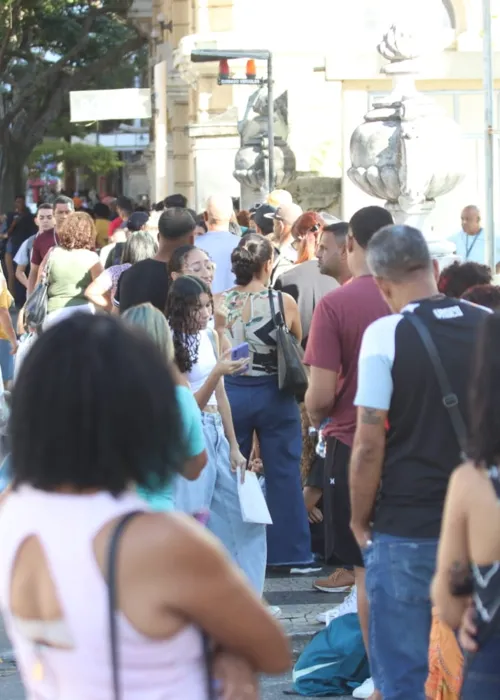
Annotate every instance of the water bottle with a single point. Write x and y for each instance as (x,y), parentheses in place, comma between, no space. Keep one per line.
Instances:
(321,446)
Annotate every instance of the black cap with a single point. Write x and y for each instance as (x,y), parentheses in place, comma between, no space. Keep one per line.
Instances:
(137,220)
(261,218)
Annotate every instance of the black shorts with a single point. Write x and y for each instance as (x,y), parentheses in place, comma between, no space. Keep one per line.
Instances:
(316,476)
(339,539)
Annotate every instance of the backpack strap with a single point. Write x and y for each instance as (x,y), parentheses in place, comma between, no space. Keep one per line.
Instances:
(449,398)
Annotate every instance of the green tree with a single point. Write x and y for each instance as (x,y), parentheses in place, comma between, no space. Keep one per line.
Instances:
(47,48)
(100,160)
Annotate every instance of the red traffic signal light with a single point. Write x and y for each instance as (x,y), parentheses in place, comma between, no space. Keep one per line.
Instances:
(224,68)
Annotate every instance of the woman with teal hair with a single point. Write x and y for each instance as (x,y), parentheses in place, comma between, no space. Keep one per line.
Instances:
(154,323)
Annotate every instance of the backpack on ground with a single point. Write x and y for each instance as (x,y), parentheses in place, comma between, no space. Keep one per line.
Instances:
(334,663)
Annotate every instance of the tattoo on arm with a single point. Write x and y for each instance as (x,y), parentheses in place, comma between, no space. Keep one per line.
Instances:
(370,416)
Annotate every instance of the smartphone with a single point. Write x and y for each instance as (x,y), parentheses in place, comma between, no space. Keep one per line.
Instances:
(240,352)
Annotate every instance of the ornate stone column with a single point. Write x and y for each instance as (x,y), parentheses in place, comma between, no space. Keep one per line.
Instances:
(407,151)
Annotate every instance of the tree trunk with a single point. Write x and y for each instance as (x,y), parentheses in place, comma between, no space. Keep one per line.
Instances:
(12,175)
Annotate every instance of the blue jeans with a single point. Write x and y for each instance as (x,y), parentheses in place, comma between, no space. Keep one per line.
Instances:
(398,579)
(258,405)
(6,360)
(216,490)
(482,673)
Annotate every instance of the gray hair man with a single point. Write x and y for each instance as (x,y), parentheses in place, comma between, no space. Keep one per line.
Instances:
(399,476)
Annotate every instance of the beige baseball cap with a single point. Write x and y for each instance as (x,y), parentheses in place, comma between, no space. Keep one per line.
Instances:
(287,213)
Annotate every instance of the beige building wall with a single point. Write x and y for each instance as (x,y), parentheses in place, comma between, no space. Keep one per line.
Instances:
(331,85)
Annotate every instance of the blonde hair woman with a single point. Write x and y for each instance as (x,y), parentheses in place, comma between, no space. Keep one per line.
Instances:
(155,325)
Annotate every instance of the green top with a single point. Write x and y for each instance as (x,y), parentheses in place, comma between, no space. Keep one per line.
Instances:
(69,277)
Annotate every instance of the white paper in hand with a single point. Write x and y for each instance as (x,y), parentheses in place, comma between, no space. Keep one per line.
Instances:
(252,501)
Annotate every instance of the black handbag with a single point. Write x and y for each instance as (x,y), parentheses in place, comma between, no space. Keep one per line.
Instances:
(112,608)
(292,376)
(35,310)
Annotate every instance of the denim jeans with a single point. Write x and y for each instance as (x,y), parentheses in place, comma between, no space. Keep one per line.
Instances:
(216,490)
(482,673)
(259,406)
(6,360)
(398,578)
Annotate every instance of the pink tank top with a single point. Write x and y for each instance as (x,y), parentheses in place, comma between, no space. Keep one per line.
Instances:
(66,526)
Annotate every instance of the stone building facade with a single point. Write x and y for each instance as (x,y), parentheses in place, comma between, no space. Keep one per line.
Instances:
(326,60)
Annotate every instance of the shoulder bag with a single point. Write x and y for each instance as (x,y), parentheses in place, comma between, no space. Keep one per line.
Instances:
(35,310)
(449,398)
(113,606)
(292,376)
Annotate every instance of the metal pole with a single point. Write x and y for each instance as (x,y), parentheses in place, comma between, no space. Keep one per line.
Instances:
(489,138)
(270,120)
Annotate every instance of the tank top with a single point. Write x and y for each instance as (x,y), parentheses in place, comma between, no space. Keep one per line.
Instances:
(258,331)
(486,581)
(205,363)
(66,526)
(69,277)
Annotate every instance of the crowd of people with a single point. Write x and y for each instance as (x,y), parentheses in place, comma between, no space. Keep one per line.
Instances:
(148,382)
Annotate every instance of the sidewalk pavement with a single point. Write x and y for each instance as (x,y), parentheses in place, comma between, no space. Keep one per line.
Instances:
(299,604)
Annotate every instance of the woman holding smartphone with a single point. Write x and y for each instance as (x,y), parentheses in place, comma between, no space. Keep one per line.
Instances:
(257,404)
(197,354)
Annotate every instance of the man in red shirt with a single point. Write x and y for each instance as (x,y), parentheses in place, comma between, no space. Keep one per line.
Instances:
(125,209)
(339,321)
(49,220)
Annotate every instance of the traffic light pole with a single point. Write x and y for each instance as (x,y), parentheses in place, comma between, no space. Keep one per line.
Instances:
(210,55)
(270,121)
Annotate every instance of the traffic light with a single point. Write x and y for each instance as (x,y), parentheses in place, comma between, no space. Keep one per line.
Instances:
(251,71)
(223,69)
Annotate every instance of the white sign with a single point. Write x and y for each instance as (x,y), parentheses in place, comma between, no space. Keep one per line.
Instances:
(101,105)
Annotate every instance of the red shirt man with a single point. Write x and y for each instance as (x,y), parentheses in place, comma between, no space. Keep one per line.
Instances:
(339,322)
(49,219)
(124,208)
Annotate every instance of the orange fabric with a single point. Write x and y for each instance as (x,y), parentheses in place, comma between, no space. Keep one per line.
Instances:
(445,663)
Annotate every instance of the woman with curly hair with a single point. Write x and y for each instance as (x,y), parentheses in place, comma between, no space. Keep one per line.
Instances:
(189,310)
(70,268)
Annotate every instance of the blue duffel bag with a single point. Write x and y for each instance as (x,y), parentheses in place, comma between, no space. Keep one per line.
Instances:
(334,662)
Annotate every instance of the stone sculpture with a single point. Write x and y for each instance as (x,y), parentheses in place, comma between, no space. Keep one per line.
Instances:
(251,162)
(407,151)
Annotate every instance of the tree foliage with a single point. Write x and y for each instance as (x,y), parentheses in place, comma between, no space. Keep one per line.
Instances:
(100,160)
(47,48)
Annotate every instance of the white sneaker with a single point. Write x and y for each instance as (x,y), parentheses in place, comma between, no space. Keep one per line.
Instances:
(350,605)
(366,690)
(305,570)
